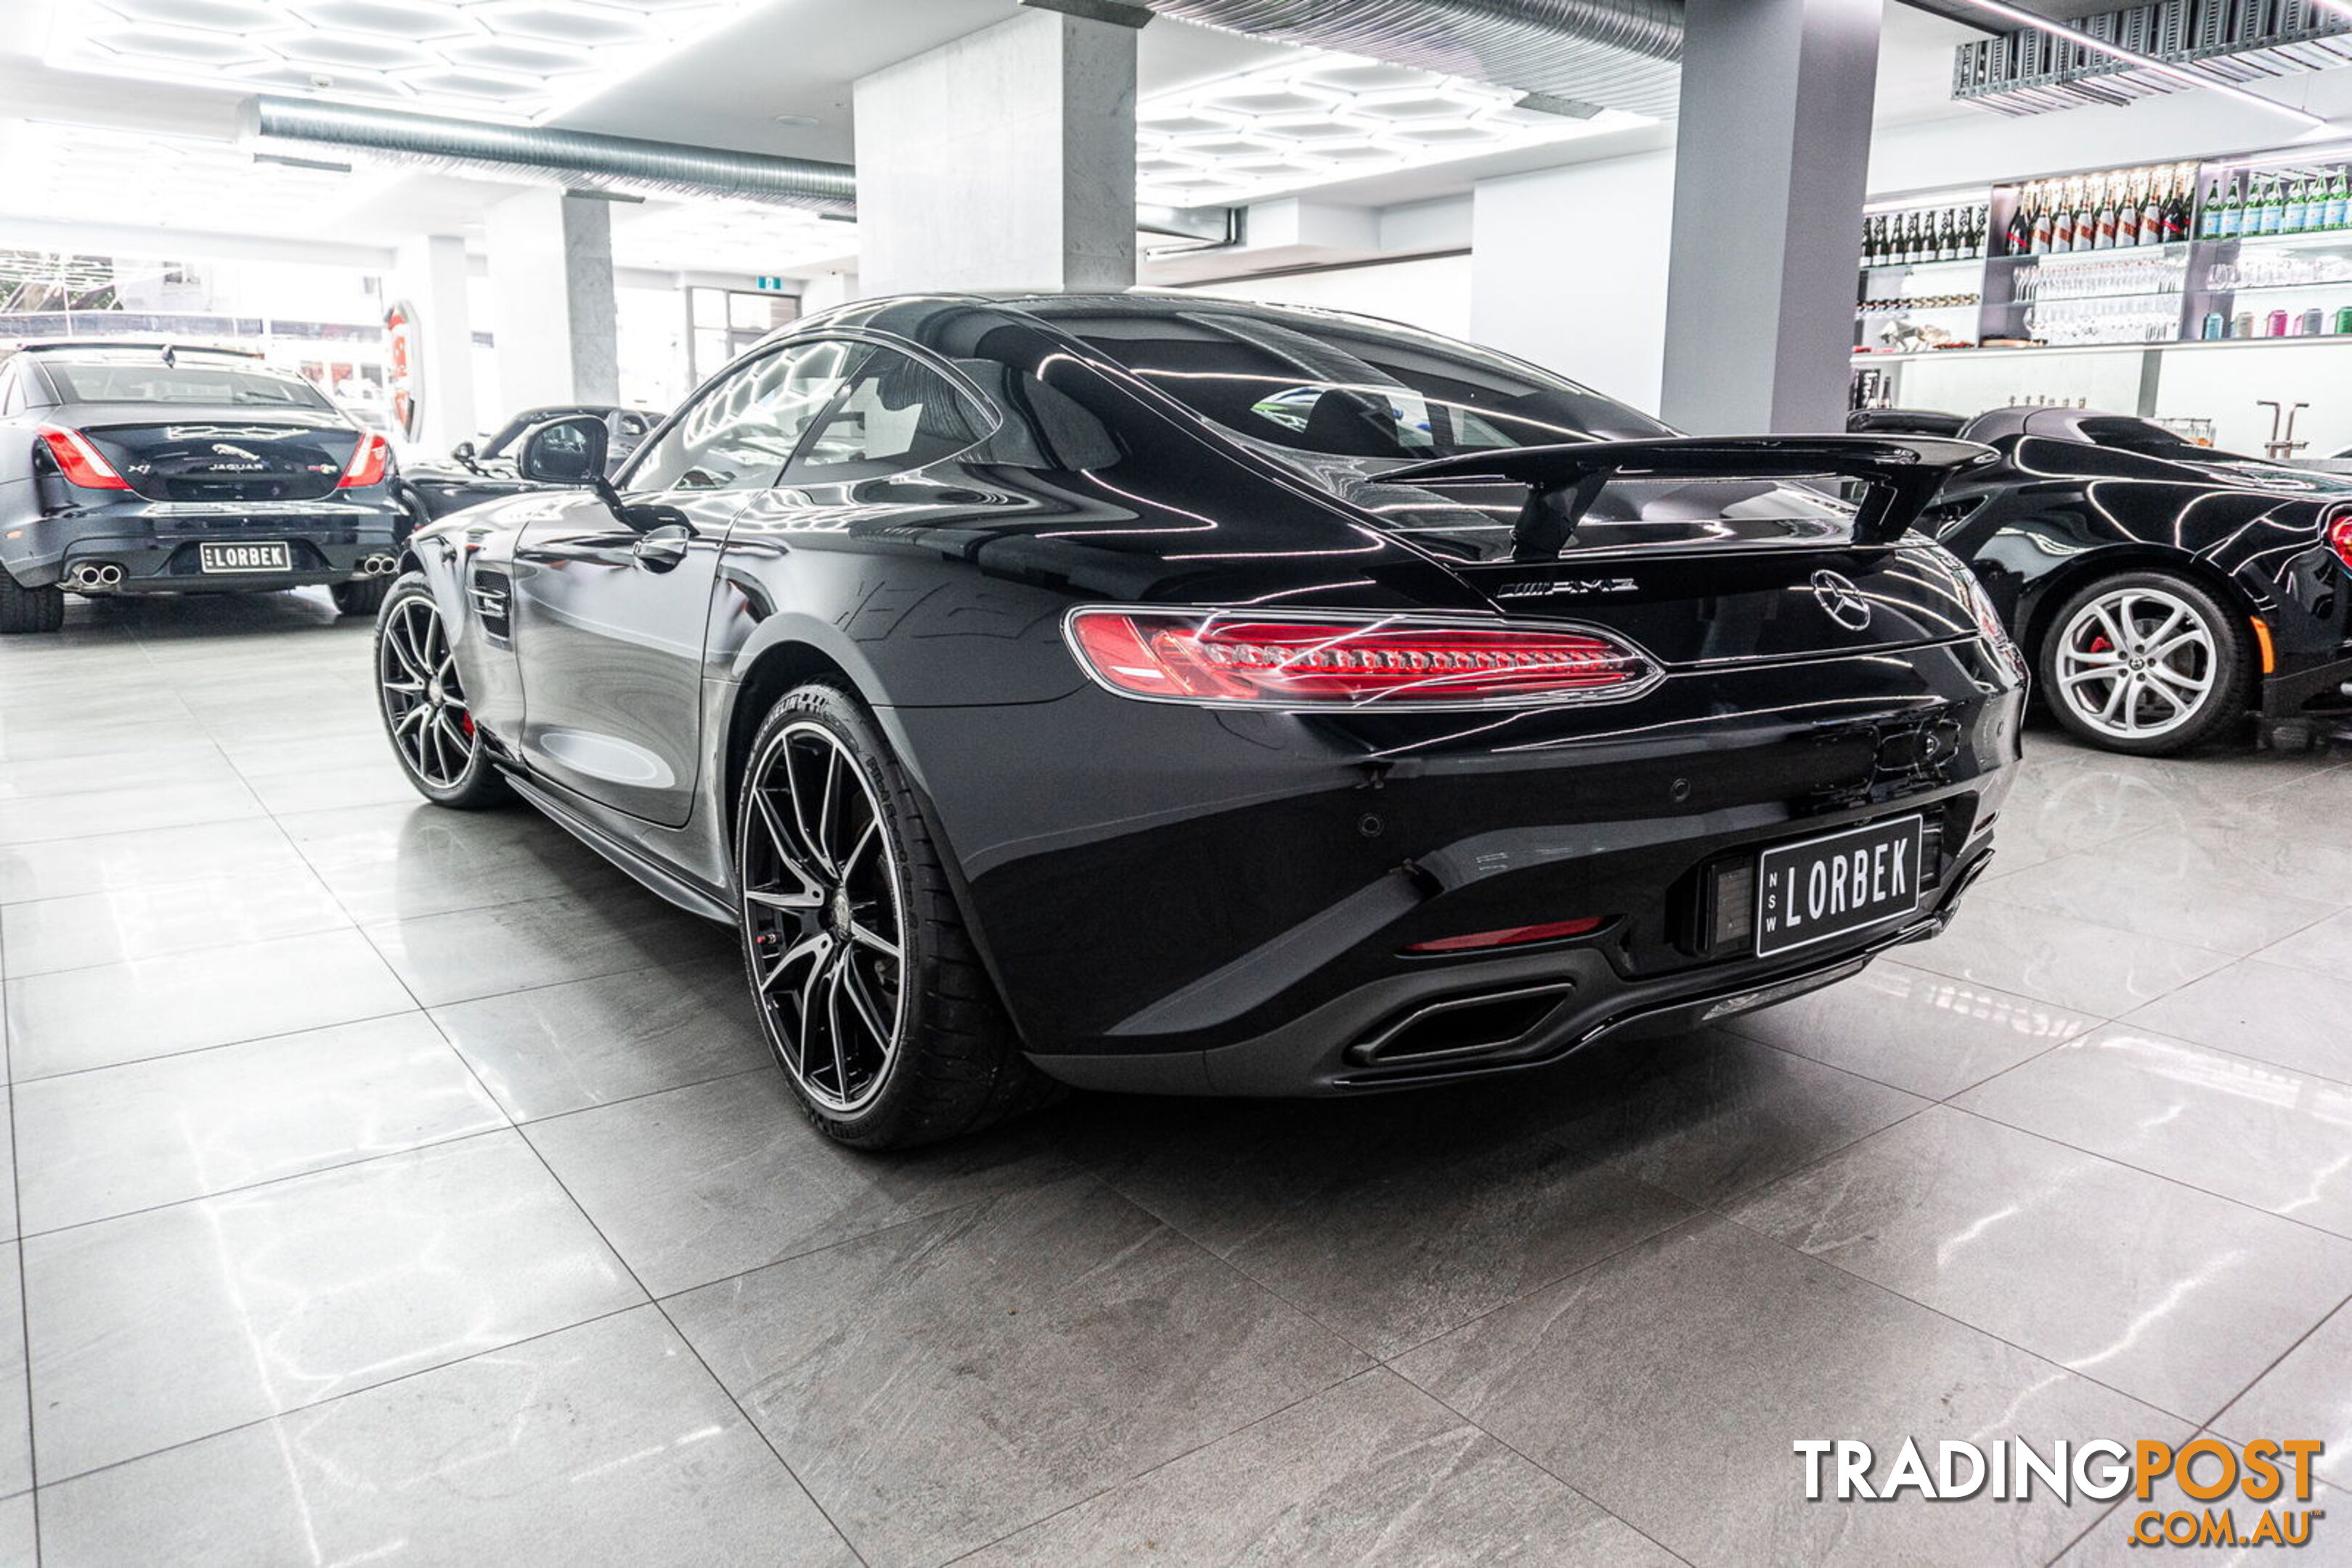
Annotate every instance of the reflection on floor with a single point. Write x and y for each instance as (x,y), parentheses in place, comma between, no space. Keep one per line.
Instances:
(402,1185)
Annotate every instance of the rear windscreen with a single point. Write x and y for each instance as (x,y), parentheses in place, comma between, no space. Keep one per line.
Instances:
(184,382)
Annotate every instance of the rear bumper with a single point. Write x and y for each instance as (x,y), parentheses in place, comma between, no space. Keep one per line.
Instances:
(2317,691)
(155,547)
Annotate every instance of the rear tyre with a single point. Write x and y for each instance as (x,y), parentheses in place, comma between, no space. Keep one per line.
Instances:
(24,609)
(2147,663)
(364,596)
(425,706)
(867,986)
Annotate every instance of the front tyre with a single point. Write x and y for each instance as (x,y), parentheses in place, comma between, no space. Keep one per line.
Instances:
(24,609)
(364,596)
(866,984)
(424,705)
(2146,663)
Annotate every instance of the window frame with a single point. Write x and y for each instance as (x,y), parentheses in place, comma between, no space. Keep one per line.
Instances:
(990,421)
(626,480)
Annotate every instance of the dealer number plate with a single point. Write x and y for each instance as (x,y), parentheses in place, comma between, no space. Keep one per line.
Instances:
(243,557)
(1835,885)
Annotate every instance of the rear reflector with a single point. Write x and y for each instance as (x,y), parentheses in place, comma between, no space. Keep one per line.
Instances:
(1305,662)
(1509,937)
(369,461)
(78,460)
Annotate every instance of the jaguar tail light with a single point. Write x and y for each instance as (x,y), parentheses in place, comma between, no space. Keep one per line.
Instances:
(1304,660)
(80,462)
(370,460)
(2339,536)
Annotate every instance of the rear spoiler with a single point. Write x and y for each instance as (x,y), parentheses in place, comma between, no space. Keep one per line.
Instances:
(1902,474)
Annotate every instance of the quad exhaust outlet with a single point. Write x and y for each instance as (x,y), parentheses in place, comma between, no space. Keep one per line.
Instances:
(93,576)
(379,565)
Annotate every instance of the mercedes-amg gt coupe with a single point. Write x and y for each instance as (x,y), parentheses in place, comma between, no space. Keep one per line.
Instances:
(2163,589)
(1159,693)
(138,468)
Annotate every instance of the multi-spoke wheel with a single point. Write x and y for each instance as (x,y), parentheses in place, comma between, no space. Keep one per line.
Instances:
(867,985)
(424,700)
(2145,662)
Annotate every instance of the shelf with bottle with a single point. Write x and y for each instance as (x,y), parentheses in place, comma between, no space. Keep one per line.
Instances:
(2123,209)
(1926,237)
(2290,200)
(1918,302)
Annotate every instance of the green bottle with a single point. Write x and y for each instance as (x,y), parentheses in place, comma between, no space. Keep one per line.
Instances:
(2233,213)
(2273,208)
(2339,203)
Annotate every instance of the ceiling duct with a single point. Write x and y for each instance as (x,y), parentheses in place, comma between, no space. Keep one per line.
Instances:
(577,159)
(2227,41)
(1618,54)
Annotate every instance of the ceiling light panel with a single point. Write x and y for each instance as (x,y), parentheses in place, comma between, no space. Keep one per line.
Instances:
(1318,118)
(508,60)
(83,173)
(720,235)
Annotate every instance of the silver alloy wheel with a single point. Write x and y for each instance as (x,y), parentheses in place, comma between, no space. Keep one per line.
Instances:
(2135,664)
(423,700)
(822,914)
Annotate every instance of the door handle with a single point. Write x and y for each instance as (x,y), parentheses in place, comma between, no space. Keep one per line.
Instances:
(662,549)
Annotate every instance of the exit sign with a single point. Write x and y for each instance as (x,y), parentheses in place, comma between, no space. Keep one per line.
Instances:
(769,284)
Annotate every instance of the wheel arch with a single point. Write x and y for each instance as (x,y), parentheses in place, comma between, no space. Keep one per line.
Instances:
(2051,592)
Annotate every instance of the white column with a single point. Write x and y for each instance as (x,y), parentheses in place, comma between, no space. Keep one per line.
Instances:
(1004,159)
(428,279)
(551,258)
(1771,161)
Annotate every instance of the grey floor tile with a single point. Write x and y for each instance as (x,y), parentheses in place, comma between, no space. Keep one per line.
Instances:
(942,1383)
(402,860)
(129,811)
(2176,1297)
(80,1018)
(2300,1018)
(17,1548)
(379,782)
(257,760)
(2264,1135)
(1371,1472)
(2307,1395)
(2161,885)
(1927,1033)
(63,868)
(472,953)
(15,1411)
(96,1144)
(54,737)
(697,1184)
(166,768)
(161,1327)
(8,1173)
(1388,1219)
(604,1443)
(2326,947)
(1704,1353)
(2055,810)
(566,1046)
(1708,1116)
(122,924)
(2099,970)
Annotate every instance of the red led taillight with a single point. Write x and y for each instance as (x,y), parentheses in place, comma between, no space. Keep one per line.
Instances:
(369,461)
(2339,538)
(1509,936)
(1285,661)
(82,464)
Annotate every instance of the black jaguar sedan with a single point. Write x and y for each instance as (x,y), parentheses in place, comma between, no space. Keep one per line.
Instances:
(2165,590)
(1159,693)
(136,468)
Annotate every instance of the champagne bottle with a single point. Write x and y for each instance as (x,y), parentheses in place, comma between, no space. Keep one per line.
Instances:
(2130,197)
(2061,221)
(2086,218)
(1947,237)
(2037,242)
(2102,219)
(2153,205)
(1980,229)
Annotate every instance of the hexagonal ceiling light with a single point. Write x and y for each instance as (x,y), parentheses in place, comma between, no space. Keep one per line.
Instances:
(1320,118)
(505,59)
(723,235)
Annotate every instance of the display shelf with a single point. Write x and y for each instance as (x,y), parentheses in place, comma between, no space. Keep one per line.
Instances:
(1876,267)
(2113,253)
(1862,358)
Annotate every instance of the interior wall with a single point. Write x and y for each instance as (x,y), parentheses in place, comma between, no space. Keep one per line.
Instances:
(1432,292)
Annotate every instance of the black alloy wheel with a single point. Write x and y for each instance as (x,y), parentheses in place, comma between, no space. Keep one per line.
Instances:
(868,990)
(423,702)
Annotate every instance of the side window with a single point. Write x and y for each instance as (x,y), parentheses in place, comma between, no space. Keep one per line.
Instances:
(898,414)
(12,392)
(737,436)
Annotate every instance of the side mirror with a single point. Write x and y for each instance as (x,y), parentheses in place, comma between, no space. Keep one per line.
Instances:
(569,451)
(465,457)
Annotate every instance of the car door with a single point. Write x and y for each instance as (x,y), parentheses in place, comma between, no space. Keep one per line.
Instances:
(609,620)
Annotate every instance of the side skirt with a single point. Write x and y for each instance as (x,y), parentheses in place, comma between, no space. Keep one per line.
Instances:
(694,900)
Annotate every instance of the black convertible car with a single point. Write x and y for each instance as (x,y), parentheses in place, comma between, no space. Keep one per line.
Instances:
(2163,588)
(132,468)
(481,472)
(1166,693)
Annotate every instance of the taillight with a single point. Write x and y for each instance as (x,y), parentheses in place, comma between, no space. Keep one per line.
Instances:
(82,464)
(1229,656)
(369,461)
(2339,538)
(1509,936)
(1989,623)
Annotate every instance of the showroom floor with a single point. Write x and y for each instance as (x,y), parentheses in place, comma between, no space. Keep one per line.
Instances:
(401,1186)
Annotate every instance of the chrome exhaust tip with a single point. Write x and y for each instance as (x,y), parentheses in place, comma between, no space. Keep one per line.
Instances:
(110,576)
(93,577)
(380,566)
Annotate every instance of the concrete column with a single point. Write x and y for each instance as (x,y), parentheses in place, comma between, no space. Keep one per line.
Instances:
(1004,159)
(551,286)
(428,279)
(1770,165)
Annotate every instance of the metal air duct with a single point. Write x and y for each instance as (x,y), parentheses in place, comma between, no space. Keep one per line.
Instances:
(1618,54)
(578,159)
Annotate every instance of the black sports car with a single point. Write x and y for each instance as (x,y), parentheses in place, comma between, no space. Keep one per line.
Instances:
(1167,693)
(475,473)
(2163,588)
(133,468)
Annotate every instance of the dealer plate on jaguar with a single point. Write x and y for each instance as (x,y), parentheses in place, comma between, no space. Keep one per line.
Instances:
(243,557)
(1835,885)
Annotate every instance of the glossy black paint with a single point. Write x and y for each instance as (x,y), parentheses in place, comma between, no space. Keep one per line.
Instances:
(226,471)
(478,472)
(1187,898)
(2079,495)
